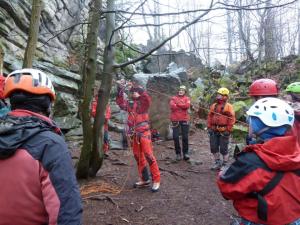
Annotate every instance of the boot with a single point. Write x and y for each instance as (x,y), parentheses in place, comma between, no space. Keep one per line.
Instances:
(141,184)
(178,157)
(186,157)
(225,166)
(155,187)
(217,165)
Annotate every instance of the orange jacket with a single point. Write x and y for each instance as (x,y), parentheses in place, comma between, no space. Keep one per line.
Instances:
(221,117)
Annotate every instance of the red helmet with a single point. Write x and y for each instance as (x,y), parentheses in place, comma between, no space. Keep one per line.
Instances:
(263,87)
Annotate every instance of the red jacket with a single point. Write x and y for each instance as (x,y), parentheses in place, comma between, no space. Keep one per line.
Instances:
(39,184)
(138,117)
(296,127)
(179,106)
(107,112)
(221,115)
(253,169)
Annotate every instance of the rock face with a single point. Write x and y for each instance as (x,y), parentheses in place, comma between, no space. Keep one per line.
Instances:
(58,36)
(161,88)
(56,16)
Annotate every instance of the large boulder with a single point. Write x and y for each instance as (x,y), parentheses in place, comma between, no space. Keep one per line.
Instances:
(160,63)
(161,88)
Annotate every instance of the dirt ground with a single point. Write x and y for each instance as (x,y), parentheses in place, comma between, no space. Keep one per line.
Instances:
(188,193)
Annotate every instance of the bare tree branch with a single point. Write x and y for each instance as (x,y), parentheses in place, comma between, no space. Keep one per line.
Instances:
(165,41)
(227,7)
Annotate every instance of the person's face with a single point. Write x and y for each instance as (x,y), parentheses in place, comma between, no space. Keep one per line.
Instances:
(181,92)
(221,98)
(135,95)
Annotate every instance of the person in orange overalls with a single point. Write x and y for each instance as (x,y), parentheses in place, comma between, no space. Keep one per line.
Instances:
(220,121)
(139,131)
(107,117)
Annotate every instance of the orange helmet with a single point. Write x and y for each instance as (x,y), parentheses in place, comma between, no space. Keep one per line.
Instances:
(29,80)
(263,87)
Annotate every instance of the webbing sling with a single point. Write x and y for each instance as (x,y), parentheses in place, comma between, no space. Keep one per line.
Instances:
(262,207)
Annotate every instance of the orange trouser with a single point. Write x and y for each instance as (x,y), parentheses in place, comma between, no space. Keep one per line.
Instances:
(143,154)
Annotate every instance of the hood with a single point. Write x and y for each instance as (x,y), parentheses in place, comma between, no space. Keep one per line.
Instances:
(280,153)
(16,130)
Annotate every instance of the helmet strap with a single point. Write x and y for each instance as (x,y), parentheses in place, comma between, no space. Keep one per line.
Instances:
(255,137)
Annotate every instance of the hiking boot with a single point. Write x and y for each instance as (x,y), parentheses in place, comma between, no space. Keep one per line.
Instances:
(217,165)
(178,157)
(155,187)
(141,184)
(224,166)
(186,157)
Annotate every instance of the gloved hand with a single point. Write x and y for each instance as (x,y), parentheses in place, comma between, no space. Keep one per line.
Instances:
(226,133)
(210,131)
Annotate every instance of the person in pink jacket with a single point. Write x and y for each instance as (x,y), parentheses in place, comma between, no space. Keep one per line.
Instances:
(179,106)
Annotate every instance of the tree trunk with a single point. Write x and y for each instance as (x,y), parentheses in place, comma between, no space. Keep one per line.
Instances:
(298,24)
(270,42)
(104,91)
(229,37)
(1,58)
(89,75)
(33,33)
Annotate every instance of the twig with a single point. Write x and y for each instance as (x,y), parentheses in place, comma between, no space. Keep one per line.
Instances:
(102,198)
(172,172)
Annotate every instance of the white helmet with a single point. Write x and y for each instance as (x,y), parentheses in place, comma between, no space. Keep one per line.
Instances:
(273,112)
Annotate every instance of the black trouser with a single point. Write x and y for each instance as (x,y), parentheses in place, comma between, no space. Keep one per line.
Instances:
(184,127)
(218,142)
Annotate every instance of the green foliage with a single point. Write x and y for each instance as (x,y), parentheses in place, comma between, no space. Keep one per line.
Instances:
(196,94)
(239,132)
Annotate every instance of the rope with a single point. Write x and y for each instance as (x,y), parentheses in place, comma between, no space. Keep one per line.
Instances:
(199,107)
(103,187)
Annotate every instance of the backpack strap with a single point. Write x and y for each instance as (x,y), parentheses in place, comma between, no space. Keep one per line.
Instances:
(262,207)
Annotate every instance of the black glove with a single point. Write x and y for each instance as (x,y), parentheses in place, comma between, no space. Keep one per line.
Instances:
(226,133)
(210,131)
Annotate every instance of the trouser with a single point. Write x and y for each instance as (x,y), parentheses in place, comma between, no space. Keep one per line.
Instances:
(182,126)
(143,154)
(218,142)
(105,141)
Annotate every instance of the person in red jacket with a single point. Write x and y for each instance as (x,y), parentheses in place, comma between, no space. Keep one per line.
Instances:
(139,131)
(220,121)
(107,117)
(38,183)
(264,181)
(179,106)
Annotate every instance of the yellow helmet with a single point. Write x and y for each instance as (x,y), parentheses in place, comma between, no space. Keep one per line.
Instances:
(182,87)
(223,91)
